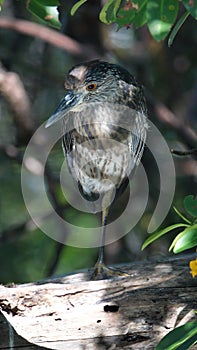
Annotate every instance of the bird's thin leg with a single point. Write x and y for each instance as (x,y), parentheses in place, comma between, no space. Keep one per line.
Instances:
(101,271)
(104,225)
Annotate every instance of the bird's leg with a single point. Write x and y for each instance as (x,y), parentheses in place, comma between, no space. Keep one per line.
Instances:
(100,260)
(101,271)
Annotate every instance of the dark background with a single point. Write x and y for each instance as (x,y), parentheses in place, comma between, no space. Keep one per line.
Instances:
(169,76)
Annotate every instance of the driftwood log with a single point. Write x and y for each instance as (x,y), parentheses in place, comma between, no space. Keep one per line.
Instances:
(75,313)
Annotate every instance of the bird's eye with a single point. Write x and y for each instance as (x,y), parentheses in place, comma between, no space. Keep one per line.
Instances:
(91,87)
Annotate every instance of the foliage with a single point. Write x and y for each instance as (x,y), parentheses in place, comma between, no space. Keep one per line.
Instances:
(180,338)
(45,10)
(158,15)
(1,2)
(33,252)
(183,337)
(187,238)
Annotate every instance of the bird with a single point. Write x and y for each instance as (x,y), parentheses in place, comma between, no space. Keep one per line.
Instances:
(105,125)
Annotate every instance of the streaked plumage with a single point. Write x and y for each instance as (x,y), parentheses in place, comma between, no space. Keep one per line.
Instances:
(105,128)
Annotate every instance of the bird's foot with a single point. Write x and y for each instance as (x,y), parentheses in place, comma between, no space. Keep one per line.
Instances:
(103,272)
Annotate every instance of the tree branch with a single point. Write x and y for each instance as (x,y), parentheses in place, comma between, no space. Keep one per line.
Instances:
(12,88)
(166,116)
(73,312)
(49,35)
(184,153)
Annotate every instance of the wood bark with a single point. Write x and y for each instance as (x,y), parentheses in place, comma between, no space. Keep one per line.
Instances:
(72,312)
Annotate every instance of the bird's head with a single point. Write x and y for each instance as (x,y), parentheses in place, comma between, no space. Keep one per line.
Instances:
(96,82)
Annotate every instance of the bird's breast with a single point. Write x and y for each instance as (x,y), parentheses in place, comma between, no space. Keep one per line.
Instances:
(100,158)
(104,151)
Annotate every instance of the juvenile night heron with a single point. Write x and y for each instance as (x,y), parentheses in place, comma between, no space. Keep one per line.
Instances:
(106,113)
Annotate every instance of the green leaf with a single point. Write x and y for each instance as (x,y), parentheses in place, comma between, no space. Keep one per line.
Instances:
(179,338)
(108,13)
(132,12)
(191,6)
(177,27)
(49,2)
(181,215)
(76,6)
(140,16)
(1,3)
(45,13)
(190,205)
(188,343)
(159,234)
(185,240)
(161,15)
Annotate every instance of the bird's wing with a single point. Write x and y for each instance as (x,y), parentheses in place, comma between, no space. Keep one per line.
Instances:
(67,143)
(68,140)
(138,136)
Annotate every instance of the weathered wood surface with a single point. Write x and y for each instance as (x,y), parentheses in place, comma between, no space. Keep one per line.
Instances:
(124,313)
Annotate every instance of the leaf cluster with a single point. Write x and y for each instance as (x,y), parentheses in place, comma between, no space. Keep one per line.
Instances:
(158,15)
(183,337)
(187,238)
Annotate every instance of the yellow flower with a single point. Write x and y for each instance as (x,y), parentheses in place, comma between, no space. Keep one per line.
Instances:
(193,267)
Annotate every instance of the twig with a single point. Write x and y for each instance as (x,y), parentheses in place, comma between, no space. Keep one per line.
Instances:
(184,153)
(166,116)
(49,35)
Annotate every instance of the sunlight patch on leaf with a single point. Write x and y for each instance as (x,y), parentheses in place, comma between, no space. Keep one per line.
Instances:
(185,240)
(160,17)
(159,234)
(1,3)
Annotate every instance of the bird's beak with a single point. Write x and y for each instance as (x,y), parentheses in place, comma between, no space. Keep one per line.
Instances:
(70,100)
